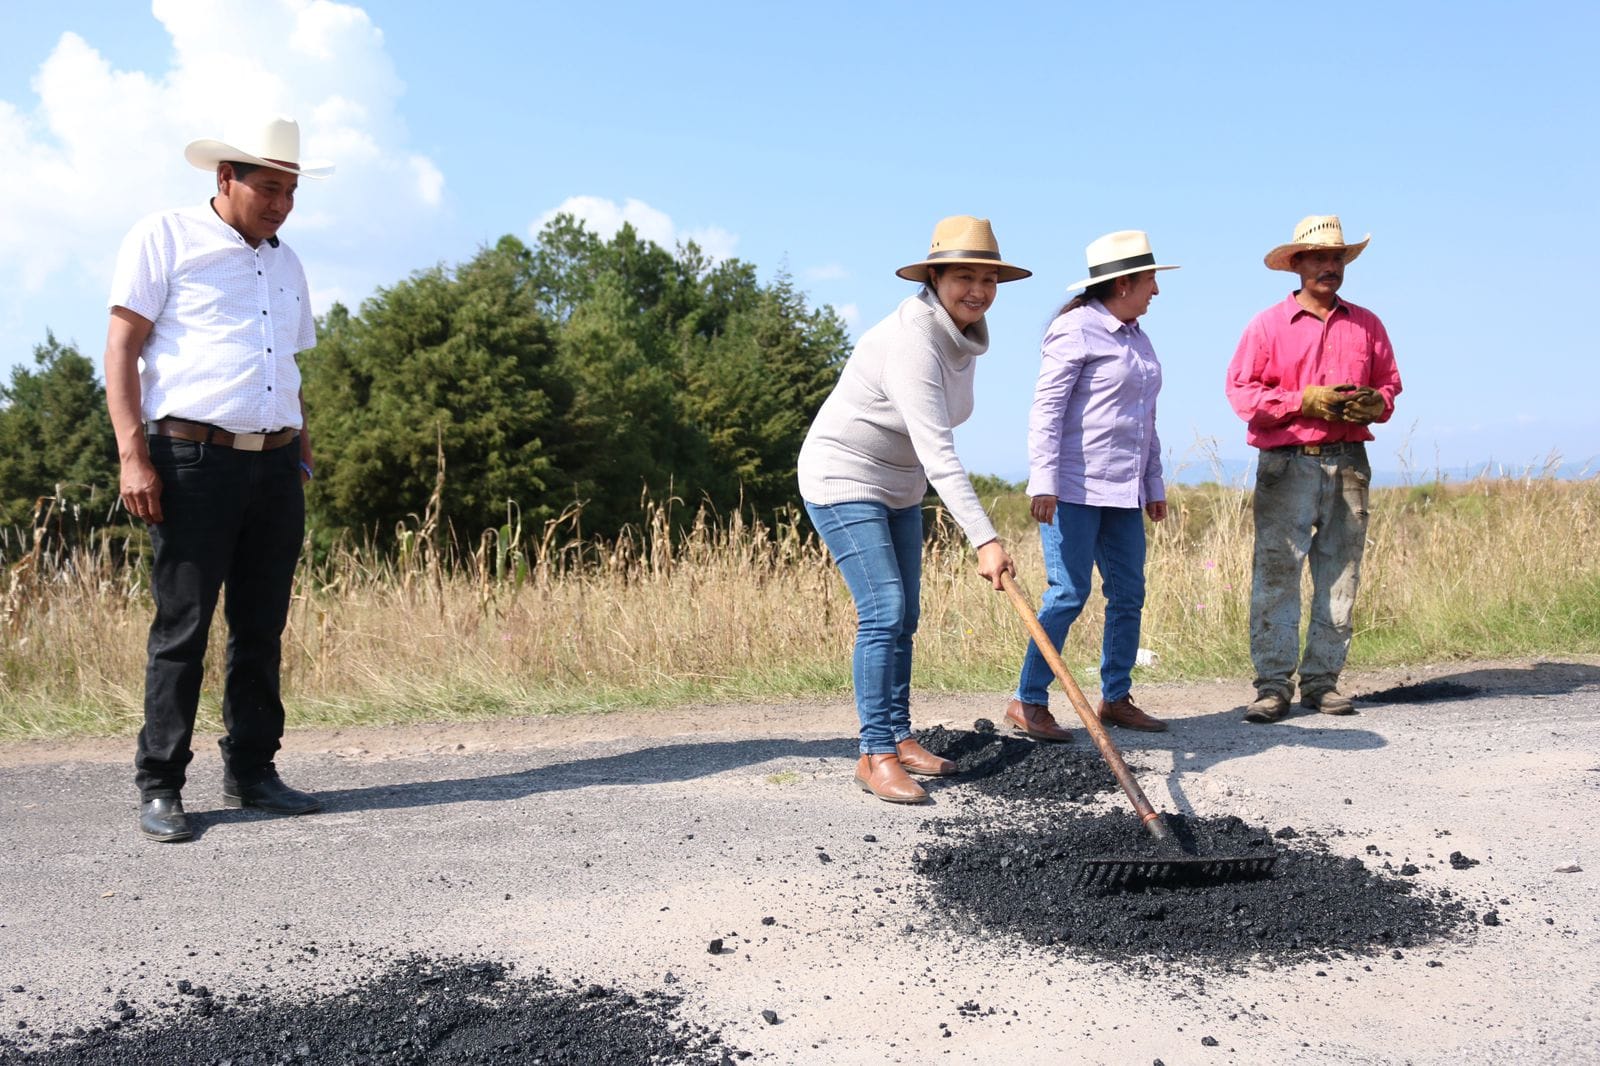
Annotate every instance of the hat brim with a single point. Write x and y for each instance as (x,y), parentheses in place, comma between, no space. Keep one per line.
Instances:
(1086,282)
(919,271)
(206,154)
(1278,258)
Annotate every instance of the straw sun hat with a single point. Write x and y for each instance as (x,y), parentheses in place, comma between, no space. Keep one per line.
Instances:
(1126,251)
(273,142)
(963,239)
(1314,233)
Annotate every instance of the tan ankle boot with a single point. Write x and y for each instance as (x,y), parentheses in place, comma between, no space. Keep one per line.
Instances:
(1035,720)
(916,759)
(884,777)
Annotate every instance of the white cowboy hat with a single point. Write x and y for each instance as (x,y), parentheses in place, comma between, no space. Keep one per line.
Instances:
(1126,251)
(1313,233)
(963,239)
(273,143)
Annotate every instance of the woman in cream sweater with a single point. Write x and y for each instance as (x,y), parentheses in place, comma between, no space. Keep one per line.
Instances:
(882,436)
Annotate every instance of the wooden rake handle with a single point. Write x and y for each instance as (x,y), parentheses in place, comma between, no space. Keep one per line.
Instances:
(1148,815)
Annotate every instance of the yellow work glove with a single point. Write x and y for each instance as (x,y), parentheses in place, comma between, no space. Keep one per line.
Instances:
(1323,401)
(1363,405)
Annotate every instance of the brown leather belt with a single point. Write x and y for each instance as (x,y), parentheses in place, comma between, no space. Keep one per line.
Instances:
(1343,447)
(202,433)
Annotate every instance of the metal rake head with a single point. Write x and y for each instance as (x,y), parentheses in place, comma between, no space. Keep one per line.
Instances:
(1119,874)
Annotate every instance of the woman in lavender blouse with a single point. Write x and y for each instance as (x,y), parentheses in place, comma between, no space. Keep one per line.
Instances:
(1094,473)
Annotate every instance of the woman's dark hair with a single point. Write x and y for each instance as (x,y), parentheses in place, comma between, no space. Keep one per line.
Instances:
(1100,290)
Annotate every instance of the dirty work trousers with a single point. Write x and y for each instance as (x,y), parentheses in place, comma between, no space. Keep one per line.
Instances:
(878,550)
(1306,507)
(231,519)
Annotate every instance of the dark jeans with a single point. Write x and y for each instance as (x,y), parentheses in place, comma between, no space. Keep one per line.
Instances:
(235,520)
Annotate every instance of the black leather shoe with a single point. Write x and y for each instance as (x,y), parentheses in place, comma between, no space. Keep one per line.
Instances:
(163,819)
(270,794)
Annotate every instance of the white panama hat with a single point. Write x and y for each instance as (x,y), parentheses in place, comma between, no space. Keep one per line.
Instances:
(1126,251)
(273,142)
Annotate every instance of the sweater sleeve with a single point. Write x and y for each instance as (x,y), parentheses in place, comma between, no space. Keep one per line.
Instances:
(913,382)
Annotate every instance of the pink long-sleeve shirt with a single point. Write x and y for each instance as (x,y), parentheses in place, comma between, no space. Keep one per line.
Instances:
(1285,348)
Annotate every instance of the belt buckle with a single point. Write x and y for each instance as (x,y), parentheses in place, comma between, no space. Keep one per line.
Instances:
(249,442)
(1311,449)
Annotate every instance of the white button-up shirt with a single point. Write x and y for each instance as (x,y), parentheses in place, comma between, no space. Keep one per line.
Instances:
(227,321)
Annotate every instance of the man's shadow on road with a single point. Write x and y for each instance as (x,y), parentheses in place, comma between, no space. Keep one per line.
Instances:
(659,764)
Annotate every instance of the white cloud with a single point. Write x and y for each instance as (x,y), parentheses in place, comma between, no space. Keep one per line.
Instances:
(851,315)
(827,272)
(605,217)
(96,147)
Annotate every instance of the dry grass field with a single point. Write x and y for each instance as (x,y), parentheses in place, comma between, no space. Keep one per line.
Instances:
(535,621)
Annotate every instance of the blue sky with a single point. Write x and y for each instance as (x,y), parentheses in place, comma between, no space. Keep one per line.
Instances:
(827,138)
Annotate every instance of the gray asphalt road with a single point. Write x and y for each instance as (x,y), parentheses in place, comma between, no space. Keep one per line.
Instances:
(618,859)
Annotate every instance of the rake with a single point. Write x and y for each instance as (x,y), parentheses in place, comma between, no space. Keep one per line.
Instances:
(1183,866)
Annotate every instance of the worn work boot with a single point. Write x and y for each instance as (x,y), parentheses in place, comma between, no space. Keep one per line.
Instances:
(162,819)
(884,777)
(1269,706)
(269,794)
(1328,701)
(1035,720)
(1123,712)
(915,759)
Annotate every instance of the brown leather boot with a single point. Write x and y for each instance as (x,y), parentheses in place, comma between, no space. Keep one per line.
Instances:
(916,759)
(1035,720)
(884,777)
(1328,701)
(1122,712)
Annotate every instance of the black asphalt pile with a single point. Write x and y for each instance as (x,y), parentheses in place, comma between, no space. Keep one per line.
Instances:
(1023,882)
(1423,692)
(418,1011)
(1014,768)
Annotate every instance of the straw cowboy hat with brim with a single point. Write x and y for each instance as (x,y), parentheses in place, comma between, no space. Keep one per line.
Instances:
(1315,233)
(962,239)
(272,142)
(1126,251)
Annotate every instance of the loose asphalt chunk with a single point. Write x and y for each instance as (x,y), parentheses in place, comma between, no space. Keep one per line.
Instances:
(419,1010)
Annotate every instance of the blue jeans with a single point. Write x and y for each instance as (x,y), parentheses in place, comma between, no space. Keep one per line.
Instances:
(878,550)
(1080,538)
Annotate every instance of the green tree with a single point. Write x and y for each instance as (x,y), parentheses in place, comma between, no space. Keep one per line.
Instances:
(580,369)
(752,389)
(56,439)
(454,359)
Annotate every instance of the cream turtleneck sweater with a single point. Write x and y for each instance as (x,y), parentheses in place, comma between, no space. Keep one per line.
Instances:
(885,432)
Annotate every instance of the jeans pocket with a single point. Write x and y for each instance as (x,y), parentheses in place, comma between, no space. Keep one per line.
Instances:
(170,453)
(1271,466)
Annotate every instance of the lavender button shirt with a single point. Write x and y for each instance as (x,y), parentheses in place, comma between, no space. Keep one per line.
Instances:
(1092,432)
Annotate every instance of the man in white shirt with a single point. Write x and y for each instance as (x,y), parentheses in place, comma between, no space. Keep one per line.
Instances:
(208,309)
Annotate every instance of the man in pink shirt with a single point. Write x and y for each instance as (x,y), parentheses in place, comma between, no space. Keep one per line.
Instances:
(1311,374)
